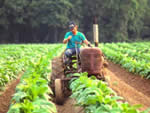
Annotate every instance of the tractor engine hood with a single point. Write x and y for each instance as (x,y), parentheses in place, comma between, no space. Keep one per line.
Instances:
(91,60)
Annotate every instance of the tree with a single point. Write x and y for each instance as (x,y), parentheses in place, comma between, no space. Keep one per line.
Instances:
(136,13)
(46,20)
(58,16)
(118,19)
(29,15)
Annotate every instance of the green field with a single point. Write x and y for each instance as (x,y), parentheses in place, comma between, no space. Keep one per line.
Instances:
(34,61)
(132,56)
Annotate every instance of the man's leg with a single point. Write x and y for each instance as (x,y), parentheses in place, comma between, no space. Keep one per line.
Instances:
(69,53)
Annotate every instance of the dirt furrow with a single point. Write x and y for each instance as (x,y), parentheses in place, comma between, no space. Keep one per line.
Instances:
(5,97)
(69,107)
(133,88)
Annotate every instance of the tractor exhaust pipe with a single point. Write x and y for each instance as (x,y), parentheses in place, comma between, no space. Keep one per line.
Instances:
(95,32)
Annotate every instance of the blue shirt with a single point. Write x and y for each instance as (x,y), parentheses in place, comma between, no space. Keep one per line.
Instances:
(79,37)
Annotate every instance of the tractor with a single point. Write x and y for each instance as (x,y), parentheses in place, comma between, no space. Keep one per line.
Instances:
(90,60)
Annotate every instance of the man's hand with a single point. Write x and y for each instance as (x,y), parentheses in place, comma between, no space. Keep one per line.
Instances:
(69,37)
(89,45)
(66,40)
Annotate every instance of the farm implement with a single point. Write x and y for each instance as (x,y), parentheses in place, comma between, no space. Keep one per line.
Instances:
(90,60)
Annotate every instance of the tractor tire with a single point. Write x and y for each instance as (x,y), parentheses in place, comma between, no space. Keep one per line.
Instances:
(56,76)
(59,97)
(57,68)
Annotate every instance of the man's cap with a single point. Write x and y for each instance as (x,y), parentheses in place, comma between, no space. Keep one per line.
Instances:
(71,25)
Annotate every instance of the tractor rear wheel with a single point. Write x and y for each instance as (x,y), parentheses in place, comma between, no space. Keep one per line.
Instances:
(59,97)
(57,68)
(56,76)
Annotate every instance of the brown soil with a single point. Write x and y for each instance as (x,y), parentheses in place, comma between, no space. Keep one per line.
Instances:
(69,107)
(132,87)
(5,97)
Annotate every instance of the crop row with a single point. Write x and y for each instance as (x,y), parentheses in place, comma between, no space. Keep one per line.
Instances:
(142,47)
(129,57)
(96,97)
(16,58)
(32,93)
(134,53)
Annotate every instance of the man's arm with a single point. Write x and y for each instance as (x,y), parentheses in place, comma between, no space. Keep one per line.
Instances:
(87,43)
(67,39)
(83,38)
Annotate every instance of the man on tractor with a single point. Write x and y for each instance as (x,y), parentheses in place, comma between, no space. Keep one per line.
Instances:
(74,39)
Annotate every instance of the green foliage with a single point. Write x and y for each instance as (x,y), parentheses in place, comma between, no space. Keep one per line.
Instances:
(136,15)
(96,97)
(12,62)
(32,93)
(126,16)
(131,56)
(38,12)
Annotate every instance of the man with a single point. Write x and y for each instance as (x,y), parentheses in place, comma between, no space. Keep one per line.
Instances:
(74,38)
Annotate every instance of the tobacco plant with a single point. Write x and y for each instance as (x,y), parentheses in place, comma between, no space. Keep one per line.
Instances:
(96,97)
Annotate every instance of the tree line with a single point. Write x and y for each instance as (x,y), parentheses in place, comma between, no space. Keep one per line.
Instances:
(46,21)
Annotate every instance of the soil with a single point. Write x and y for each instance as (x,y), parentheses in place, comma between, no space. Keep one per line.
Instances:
(69,107)
(132,87)
(5,97)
